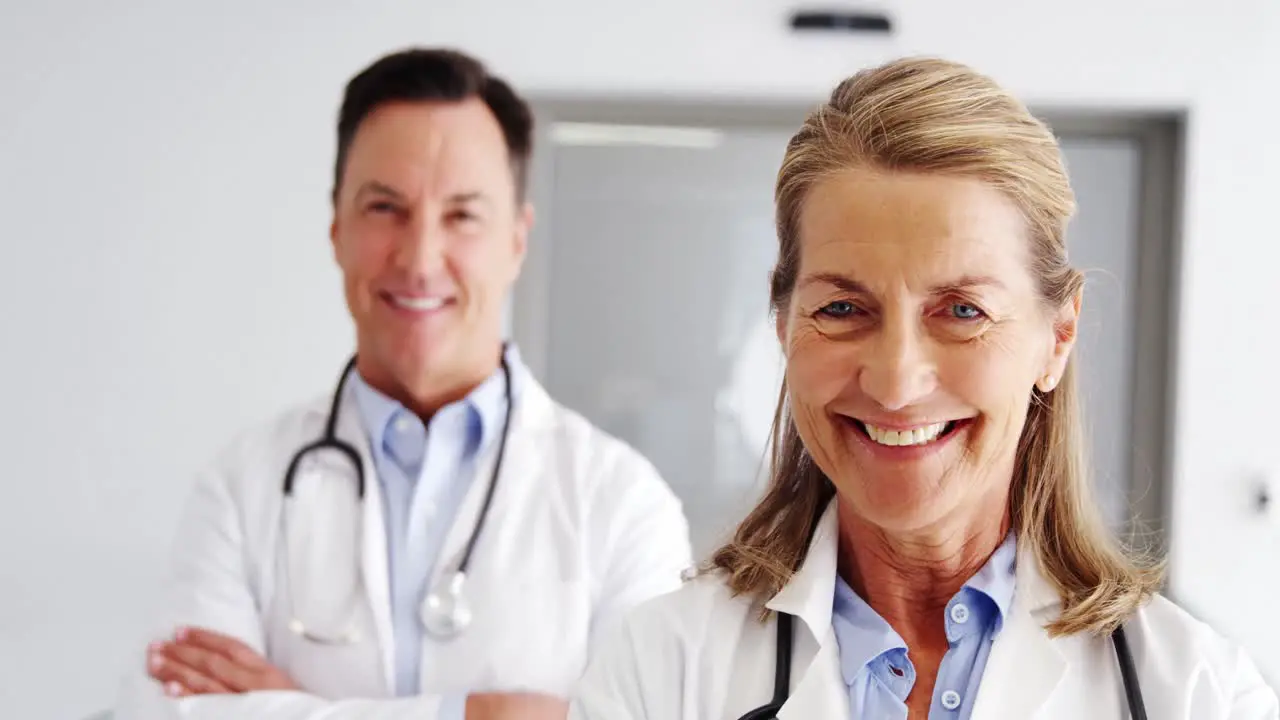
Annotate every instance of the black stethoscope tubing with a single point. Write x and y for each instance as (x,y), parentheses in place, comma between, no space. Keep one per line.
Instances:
(331,441)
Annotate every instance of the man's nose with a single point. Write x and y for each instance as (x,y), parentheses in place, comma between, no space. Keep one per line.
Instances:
(421,247)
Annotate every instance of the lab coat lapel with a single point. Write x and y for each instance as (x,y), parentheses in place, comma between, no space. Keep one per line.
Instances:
(1025,665)
(374,553)
(533,410)
(820,692)
(817,688)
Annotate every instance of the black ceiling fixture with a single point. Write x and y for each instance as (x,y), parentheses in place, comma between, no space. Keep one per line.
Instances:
(855,21)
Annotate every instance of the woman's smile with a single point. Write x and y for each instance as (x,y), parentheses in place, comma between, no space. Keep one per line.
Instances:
(905,442)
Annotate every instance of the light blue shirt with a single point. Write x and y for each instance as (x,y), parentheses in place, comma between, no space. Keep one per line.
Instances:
(874,660)
(424,472)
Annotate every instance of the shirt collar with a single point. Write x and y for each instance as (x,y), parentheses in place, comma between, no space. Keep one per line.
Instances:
(808,594)
(997,578)
(487,402)
(865,636)
(376,409)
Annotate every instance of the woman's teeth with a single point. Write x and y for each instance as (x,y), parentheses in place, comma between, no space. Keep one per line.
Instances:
(421,304)
(898,438)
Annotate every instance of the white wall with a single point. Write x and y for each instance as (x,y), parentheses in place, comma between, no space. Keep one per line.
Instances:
(165,276)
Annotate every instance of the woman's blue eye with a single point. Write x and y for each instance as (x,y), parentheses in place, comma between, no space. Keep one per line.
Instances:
(965,312)
(839,309)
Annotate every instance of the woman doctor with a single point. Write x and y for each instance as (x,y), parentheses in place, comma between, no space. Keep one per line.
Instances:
(927,547)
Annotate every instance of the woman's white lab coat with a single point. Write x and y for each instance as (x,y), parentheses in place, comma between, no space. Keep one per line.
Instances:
(580,529)
(700,654)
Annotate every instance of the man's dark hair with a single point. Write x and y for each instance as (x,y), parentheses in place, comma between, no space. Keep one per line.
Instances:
(425,75)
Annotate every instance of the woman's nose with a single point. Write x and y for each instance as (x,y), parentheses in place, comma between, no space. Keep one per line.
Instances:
(898,371)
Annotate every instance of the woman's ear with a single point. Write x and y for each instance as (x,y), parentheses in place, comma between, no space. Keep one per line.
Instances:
(1066,323)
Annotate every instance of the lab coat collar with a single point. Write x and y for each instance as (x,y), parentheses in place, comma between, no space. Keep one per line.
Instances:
(809,593)
(817,686)
(811,590)
(1023,670)
(1034,594)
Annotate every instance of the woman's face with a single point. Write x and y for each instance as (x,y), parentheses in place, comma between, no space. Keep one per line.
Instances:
(914,336)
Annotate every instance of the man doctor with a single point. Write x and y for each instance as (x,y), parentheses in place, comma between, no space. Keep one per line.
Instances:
(429,229)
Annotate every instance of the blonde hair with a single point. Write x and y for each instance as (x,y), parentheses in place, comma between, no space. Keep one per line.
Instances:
(934,116)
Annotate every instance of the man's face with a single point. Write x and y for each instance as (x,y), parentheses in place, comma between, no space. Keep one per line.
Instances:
(429,235)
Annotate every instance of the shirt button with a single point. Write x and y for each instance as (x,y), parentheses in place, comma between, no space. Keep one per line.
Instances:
(951,699)
(404,424)
(960,613)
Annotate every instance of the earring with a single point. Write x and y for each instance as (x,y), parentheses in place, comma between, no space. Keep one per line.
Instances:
(1047,383)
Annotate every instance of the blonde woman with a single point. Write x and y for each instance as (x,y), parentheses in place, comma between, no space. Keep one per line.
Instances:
(928,547)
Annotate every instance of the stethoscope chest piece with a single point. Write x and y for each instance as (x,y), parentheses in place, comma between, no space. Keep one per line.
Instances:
(446,612)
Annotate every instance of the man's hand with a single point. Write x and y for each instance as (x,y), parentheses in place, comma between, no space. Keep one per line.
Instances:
(516,706)
(202,662)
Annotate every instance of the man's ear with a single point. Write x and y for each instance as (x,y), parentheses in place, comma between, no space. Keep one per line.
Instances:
(1066,325)
(333,222)
(523,226)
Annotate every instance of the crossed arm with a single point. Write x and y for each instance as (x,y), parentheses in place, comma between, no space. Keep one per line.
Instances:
(212,666)
(202,662)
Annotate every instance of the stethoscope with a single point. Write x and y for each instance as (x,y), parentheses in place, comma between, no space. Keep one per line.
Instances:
(782,673)
(445,612)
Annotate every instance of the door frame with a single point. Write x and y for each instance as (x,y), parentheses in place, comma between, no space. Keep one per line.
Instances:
(1157,300)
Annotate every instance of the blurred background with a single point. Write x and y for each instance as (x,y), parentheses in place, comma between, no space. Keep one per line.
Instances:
(166,279)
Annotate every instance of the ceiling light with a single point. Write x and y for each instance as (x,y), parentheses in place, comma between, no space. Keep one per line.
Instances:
(597,134)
